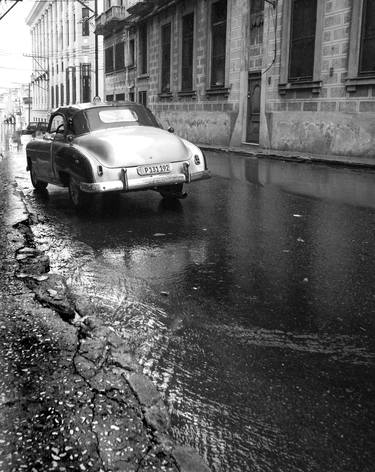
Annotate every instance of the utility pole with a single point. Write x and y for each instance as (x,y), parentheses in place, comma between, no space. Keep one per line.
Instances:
(96,54)
(29,105)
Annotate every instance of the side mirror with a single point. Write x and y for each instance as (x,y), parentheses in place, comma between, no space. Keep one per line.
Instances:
(70,138)
(170,129)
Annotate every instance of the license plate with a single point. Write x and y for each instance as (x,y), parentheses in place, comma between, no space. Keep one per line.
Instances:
(154,169)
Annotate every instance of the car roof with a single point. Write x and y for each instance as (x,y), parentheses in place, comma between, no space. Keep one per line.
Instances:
(72,109)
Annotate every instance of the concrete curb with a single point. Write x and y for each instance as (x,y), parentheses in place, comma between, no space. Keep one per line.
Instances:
(104,360)
(254,151)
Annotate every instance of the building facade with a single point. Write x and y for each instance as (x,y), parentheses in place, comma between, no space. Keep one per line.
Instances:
(319,94)
(64,55)
(295,75)
(185,60)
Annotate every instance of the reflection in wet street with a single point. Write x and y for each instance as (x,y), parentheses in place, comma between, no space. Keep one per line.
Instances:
(252,301)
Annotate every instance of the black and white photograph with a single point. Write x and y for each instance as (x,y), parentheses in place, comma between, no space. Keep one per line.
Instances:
(187,235)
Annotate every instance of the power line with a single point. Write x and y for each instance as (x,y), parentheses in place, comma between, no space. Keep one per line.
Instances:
(10,8)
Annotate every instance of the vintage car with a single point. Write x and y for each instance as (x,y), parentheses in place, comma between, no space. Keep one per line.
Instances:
(112,147)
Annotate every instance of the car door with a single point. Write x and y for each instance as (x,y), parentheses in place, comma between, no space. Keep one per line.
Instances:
(59,146)
(44,159)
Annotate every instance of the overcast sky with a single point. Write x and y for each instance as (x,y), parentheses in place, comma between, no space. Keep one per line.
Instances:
(14,43)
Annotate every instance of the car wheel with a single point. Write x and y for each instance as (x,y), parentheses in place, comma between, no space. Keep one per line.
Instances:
(78,198)
(37,184)
(172,191)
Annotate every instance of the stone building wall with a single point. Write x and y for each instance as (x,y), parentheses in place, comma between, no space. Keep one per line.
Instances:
(201,118)
(339,120)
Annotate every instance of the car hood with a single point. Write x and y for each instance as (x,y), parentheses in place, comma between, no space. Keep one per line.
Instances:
(133,146)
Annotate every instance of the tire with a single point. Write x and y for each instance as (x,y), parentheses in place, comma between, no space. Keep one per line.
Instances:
(37,184)
(172,192)
(79,199)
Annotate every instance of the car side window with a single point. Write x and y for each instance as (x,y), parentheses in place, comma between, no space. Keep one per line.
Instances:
(57,125)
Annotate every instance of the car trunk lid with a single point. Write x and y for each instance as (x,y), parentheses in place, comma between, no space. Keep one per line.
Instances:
(133,146)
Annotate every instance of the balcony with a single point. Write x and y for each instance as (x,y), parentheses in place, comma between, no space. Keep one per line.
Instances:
(110,19)
(141,7)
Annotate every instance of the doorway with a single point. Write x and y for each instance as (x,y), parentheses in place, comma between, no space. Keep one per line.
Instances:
(253,107)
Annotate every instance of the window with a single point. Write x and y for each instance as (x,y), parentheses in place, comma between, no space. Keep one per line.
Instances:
(74,26)
(120,56)
(302,33)
(218,43)
(367,51)
(57,122)
(86,82)
(85,22)
(131,96)
(257,6)
(302,40)
(166,58)
(67,32)
(187,52)
(62,94)
(57,95)
(118,115)
(108,65)
(67,82)
(142,97)
(361,67)
(74,85)
(143,49)
(131,54)
(52,98)
(256,21)
(120,97)
(109,98)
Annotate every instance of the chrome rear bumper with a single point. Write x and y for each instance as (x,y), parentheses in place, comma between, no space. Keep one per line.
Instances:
(150,181)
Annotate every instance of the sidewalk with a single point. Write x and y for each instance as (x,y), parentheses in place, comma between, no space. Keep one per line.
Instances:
(72,396)
(253,150)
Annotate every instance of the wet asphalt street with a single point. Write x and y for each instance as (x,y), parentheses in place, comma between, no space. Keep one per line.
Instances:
(253,300)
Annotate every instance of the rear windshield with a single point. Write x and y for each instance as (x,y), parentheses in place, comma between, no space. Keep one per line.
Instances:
(112,117)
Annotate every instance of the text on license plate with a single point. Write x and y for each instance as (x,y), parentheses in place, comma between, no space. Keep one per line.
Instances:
(154,169)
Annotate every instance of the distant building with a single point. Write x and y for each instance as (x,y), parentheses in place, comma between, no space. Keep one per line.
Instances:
(293,75)
(63,51)
(14,107)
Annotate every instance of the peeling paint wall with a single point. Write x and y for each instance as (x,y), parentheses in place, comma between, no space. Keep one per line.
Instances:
(203,127)
(324,133)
